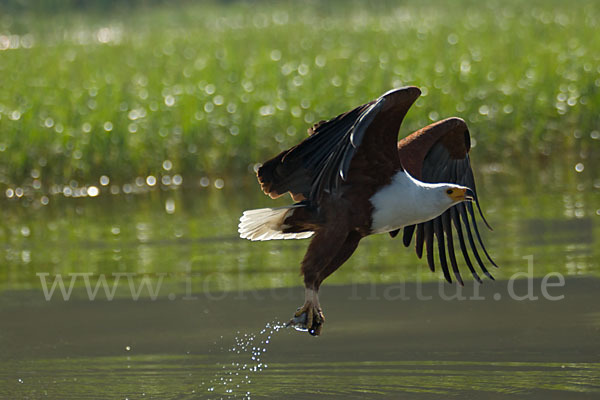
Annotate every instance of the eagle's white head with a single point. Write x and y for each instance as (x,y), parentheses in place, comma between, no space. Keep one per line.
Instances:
(445,195)
(408,201)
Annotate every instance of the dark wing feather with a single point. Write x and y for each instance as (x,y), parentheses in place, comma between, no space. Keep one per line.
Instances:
(443,148)
(322,162)
(295,170)
(461,241)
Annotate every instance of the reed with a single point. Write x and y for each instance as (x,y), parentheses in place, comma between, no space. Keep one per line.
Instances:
(216,88)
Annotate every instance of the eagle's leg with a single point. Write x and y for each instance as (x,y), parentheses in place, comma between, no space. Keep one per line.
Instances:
(310,316)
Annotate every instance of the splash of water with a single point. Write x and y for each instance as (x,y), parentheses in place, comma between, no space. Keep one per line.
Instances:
(234,379)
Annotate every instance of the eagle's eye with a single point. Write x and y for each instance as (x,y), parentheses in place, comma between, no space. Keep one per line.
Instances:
(449,191)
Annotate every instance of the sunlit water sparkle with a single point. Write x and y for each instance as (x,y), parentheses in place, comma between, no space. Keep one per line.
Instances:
(234,379)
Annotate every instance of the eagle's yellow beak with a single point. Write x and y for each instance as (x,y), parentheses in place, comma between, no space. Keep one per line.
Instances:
(461,194)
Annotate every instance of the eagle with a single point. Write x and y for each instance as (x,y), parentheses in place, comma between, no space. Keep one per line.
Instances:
(351,178)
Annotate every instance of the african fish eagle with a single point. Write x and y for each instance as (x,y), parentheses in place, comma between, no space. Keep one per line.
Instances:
(350,178)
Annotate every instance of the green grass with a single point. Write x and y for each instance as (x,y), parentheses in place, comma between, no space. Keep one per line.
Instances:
(215,88)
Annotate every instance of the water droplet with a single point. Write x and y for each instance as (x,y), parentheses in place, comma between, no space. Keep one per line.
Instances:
(169,100)
(167,165)
(267,110)
(150,180)
(303,69)
(93,191)
(210,89)
(275,55)
(104,180)
(170,206)
(15,115)
(219,100)
(465,67)
(579,167)
(127,348)
(320,61)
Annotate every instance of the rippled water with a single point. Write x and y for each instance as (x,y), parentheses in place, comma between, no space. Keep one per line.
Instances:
(171,305)
(373,346)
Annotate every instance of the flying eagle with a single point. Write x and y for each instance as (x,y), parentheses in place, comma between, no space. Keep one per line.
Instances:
(350,178)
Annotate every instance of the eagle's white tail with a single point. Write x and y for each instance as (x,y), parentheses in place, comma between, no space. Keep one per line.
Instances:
(267,224)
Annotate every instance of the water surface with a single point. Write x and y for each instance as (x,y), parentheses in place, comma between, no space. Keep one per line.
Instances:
(186,304)
(374,345)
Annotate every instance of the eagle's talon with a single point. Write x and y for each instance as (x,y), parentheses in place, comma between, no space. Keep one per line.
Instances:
(308,318)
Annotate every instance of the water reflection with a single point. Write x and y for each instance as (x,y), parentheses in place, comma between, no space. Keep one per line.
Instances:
(150,227)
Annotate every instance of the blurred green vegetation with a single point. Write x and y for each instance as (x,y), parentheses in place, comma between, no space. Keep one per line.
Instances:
(61,6)
(100,88)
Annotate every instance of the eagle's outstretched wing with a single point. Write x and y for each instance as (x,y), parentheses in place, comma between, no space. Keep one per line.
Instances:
(440,153)
(321,163)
